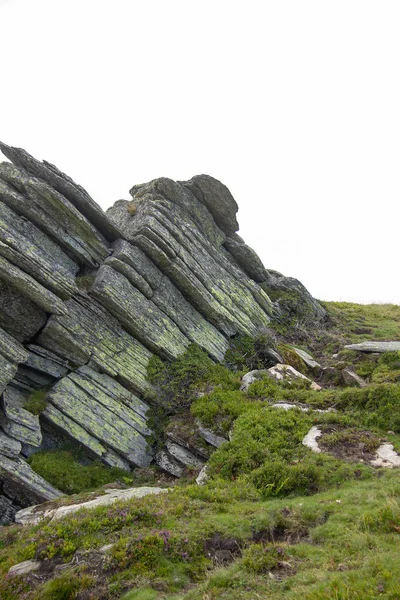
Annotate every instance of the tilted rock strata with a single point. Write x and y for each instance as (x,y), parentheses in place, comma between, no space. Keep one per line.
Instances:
(87,297)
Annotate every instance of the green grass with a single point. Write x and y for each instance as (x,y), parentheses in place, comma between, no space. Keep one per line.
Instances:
(62,469)
(359,322)
(274,519)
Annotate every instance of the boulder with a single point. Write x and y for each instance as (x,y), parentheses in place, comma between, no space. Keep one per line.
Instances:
(218,200)
(9,446)
(246,258)
(292,299)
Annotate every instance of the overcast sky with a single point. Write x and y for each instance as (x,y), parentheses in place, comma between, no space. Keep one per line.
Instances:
(294,105)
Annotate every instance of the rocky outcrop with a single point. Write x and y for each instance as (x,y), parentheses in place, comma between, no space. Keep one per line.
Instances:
(87,298)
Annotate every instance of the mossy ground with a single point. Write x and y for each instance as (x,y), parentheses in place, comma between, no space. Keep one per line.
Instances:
(273,521)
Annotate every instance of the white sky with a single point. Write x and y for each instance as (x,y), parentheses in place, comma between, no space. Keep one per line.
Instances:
(294,105)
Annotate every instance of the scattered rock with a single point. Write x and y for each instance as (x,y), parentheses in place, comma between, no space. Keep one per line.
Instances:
(307,358)
(386,457)
(251,377)
(183,455)
(210,437)
(352,379)
(310,440)
(202,477)
(289,373)
(378,347)
(25,567)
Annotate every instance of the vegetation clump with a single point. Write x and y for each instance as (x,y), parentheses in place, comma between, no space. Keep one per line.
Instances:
(63,470)
(36,402)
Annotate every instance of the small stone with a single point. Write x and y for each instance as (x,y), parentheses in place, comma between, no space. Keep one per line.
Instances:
(22,568)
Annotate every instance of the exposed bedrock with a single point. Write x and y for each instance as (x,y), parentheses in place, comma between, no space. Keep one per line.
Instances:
(87,298)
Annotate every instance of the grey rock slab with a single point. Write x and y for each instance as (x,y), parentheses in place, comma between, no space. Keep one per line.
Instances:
(9,446)
(310,440)
(11,354)
(106,411)
(202,477)
(302,407)
(246,258)
(35,514)
(52,213)
(168,463)
(204,274)
(183,455)
(375,347)
(46,362)
(181,196)
(218,200)
(211,438)
(20,481)
(28,248)
(307,358)
(73,430)
(18,422)
(352,379)
(143,273)
(76,194)
(88,333)
(138,315)
(23,568)
(19,316)
(29,287)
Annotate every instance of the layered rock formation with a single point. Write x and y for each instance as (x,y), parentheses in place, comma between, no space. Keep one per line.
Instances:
(87,297)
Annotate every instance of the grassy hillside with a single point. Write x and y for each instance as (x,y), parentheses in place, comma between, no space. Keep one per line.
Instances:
(274,520)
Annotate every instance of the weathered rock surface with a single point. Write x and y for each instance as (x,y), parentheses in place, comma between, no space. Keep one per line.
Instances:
(386,456)
(22,484)
(351,378)
(375,347)
(25,567)
(35,514)
(289,373)
(105,410)
(87,297)
(307,358)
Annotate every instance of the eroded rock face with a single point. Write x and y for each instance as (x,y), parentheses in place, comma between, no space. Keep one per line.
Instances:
(88,297)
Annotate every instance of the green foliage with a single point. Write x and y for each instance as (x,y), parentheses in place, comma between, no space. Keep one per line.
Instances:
(62,469)
(193,371)
(247,353)
(36,403)
(376,405)
(258,558)
(65,587)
